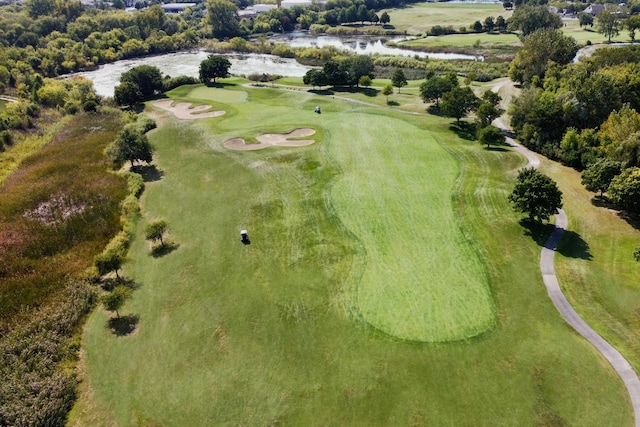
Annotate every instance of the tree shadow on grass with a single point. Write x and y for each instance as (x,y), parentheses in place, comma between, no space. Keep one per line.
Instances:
(573,246)
(161,250)
(123,325)
(435,110)
(149,173)
(631,218)
(495,148)
(325,92)
(393,103)
(538,231)
(367,91)
(109,283)
(464,130)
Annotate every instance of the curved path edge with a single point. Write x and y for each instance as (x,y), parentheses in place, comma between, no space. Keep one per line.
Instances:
(613,356)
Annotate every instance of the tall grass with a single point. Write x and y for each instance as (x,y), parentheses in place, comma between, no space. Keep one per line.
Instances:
(267,333)
(57,212)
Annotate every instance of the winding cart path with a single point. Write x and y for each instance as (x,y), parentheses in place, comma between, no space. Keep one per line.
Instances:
(617,361)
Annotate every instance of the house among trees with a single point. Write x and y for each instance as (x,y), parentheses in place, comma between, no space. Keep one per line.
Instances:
(176,8)
(595,9)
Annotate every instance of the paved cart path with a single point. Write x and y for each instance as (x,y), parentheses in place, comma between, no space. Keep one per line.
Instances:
(617,361)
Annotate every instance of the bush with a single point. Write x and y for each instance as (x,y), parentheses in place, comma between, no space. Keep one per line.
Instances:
(90,106)
(175,82)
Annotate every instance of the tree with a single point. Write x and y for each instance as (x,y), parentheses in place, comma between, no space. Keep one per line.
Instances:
(528,19)
(355,67)
(598,176)
(155,231)
(115,299)
(398,79)
(213,67)
(130,145)
(536,195)
(632,24)
(108,261)
(335,73)
(585,19)
(636,254)
(365,81)
(476,26)
(607,24)
(501,24)
(385,18)
(458,102)
(620,135)
(491,135)
(315,78)
(489,24)
(222,15)
(538,48)
(387,90)
(147,78)
(488,109)
(432,89)
(127,93)
(624,190)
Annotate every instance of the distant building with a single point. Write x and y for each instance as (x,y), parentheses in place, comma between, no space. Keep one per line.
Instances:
(259,8)
(291,3)
(595,9)
(176,8)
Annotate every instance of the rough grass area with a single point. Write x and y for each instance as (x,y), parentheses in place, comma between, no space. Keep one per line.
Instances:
(58,210)
(270,333)
(596,267)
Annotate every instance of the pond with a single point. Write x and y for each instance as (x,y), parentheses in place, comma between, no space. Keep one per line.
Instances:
(107,76)
(363,45)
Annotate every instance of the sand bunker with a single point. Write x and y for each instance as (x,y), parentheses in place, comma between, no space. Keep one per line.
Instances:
(183,110)
(271,139)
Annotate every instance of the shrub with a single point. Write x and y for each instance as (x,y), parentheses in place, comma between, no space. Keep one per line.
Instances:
(175,82)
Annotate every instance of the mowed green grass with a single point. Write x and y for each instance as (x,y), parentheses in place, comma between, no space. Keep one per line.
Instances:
(418,18)
(394,195)
(270,333)
(485,39)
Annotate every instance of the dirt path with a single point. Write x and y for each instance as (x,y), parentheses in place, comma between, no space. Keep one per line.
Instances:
(617,360)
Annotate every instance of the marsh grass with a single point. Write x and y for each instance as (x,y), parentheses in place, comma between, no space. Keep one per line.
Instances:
(57,212)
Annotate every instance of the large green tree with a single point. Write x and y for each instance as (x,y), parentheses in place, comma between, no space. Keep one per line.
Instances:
(213,67)
(108,261)
(536,195)
(608,24)
(538,48)
(458,102)
(434,87)
(598,176)
(357,66)
(315,78)
(490,135)
(528,19)
(147,78)
(222,15)
(127,93)
(130,145)
(624,190)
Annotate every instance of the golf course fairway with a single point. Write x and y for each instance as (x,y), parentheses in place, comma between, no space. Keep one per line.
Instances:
(386,282)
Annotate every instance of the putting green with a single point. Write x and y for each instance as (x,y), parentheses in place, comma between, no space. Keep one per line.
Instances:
(422,280)
(218,95)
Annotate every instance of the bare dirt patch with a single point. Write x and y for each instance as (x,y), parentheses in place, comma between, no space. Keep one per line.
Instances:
(185,111)
(273,139)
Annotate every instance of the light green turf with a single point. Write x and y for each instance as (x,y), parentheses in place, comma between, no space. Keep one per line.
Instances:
(418,18)
(465,40)
(582,35)
(269,333)
(218,95)
(395,197)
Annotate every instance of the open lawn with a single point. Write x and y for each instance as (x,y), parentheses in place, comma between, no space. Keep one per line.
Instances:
(418,18)
(466,40)
(388,226)
(582,35)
